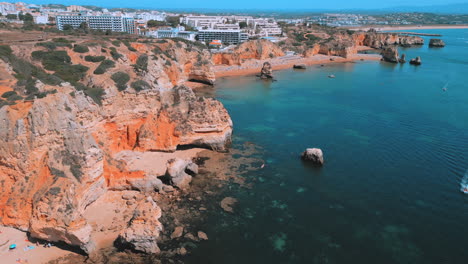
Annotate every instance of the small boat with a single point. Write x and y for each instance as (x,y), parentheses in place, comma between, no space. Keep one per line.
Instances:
(331,76)
(464,183)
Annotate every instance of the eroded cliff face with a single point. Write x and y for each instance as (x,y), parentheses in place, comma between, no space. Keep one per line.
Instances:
(60,153)
(380,40)
(256,49)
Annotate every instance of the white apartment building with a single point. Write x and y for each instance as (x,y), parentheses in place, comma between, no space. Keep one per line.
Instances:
(172,33)
(151,16)
(41,19)
(226,26)
(7,8)
(203,21)
(113,23)
(226,36)
(76,8)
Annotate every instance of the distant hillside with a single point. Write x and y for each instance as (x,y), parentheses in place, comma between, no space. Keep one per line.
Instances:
(445,9)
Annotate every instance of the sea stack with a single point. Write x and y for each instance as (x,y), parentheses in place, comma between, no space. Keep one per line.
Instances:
(416,61)
(390,54)
(436,43)
(402,58)
(267,72)
(314,155)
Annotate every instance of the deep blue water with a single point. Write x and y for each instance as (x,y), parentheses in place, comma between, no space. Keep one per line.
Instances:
(395,147)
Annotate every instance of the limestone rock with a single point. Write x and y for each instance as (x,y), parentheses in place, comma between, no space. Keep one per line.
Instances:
(144,228)
(313,155)
(402,58)
(300,66)
(177,232)
(267,71)
(177,172)
(261,49)
(390,54)
(416,61)
(227,204)
(438,43)
(202,235)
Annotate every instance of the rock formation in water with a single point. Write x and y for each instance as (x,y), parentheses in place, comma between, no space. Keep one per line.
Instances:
(381,40)
(390,54)
(68,142)
(416,61)
(436,43)
(301,66)
(267,71)
(402,58)
(313,155)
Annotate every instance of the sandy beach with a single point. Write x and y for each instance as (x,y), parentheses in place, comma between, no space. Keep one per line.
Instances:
(25,251)
(252,67)
(408,27)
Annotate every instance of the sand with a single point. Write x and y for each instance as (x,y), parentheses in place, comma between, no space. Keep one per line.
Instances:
(38,255)
(252,67)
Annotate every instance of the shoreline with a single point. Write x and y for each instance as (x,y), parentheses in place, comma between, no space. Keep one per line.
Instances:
(408,27)
(253,67)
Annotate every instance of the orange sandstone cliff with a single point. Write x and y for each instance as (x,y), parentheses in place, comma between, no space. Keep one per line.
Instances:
(61,149)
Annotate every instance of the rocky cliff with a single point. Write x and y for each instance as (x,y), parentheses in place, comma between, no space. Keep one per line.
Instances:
(61,144)
(256,49)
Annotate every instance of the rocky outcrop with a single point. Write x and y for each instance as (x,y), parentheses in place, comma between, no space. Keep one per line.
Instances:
(143,230)
(342,48)
(61,152)
(380,40)
(267,71)
(402,59)
(390,54)
(300,66)
(313,155)
(436,43)
(179,172)
(314,50)
(256,49)
(416,61)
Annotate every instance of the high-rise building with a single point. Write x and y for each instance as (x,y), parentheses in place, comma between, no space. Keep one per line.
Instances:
(113,23)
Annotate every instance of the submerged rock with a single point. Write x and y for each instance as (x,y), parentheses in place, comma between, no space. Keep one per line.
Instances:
(202,235)
(300,66)
(267,71)
(177,232)
(437,43)
(313,155)
(227,204)
(390,54)
(416,61)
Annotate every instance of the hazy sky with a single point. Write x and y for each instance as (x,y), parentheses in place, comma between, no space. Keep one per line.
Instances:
(247,4)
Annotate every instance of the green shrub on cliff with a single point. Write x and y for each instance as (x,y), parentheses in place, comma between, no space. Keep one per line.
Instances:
(115,55)
(140,85)
(80,48)
(94,58)
(60,62)
(141,64)
(95,94)
(120,79)
(104,66)
(5,50)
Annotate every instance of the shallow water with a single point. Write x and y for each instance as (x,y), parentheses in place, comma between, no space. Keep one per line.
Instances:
(396,149)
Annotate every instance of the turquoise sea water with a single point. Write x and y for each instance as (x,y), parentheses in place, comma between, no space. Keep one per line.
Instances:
(395,146)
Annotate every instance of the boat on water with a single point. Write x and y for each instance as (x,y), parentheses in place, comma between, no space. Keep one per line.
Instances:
(464,183)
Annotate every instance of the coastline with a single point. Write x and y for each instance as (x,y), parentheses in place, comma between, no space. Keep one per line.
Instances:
(253,67)
(408,27)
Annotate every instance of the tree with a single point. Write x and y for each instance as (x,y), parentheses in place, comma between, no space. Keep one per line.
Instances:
(11,16)
(67,27)
(155,23)
(243,24)
(174,21)
(20,16)
(28,17)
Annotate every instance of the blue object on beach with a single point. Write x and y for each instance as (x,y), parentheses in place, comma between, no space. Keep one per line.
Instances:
(12,246)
